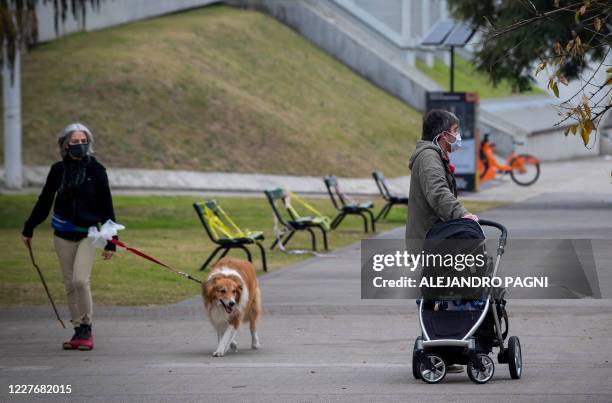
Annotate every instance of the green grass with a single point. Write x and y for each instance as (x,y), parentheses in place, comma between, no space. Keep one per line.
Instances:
(164,227)
(214,89)
(466,79)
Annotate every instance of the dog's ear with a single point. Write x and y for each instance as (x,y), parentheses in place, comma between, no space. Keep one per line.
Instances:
(239,289)
(208,287)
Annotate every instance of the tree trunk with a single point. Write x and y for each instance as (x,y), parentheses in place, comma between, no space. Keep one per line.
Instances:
(11,100)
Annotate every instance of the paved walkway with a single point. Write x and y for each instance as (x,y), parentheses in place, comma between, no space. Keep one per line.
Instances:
(321,342)
(584,175)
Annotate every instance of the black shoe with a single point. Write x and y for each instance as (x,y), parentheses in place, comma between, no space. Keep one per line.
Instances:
(84,341)
(85,332)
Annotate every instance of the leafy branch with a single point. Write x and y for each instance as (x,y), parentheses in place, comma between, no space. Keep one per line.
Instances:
(567,37)
(19,23)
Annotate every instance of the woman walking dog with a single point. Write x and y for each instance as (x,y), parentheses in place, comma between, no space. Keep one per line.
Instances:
(79,186)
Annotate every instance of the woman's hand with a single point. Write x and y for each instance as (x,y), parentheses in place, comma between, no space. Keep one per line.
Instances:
(27,240)
(107,254)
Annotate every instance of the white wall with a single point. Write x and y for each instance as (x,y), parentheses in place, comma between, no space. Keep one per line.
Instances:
(553,146)
(389,12)
(111,12)
(549,146)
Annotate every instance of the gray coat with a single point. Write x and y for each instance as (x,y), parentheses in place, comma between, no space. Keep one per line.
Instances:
(433,194)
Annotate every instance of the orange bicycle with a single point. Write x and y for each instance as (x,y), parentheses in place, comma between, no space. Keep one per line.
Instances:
(524,169)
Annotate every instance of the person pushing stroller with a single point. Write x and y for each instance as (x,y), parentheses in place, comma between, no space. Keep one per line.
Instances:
(433,190)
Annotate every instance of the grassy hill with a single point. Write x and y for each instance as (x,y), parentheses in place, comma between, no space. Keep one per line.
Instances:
(215,89)
(466,79)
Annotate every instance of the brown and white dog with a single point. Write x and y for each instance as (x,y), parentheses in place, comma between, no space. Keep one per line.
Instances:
(231,296)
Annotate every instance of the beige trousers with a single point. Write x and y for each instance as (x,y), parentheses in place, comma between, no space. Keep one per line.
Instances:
(76,260)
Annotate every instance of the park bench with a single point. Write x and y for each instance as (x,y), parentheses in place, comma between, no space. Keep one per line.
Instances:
(287,224)
(347,206)
(224,232)
(390,197)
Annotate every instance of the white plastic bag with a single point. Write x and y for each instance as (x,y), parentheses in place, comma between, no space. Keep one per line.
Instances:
(100,237)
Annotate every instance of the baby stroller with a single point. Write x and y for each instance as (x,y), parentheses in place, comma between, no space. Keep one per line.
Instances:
(455,331)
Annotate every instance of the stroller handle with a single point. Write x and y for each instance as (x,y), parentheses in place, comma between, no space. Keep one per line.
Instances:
(502,238)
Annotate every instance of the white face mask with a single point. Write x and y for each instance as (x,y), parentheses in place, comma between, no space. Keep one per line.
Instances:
(457,144)
(453,146)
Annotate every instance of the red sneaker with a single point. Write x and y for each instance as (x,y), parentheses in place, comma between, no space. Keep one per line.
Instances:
(72,343)
(84,341)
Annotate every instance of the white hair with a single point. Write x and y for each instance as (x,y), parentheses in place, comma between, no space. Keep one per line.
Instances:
(64,137)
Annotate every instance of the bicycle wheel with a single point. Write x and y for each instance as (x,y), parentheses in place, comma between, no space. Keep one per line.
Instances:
(525,169)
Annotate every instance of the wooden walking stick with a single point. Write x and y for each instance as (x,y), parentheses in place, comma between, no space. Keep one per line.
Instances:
(42,279)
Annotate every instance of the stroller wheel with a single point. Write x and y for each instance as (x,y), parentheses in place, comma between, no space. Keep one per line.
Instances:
(416,372)
(515,358)
(481,369)
(432,368)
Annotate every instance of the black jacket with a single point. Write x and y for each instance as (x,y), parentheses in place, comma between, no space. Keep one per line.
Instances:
(90,205)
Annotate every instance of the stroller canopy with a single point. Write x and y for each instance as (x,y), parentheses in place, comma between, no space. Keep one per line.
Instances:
(455,237)
(461,228)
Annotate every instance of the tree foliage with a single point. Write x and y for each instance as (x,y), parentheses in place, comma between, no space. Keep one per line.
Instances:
(19,23)
(566,36)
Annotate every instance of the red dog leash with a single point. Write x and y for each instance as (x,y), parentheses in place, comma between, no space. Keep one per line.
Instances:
(152,259)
